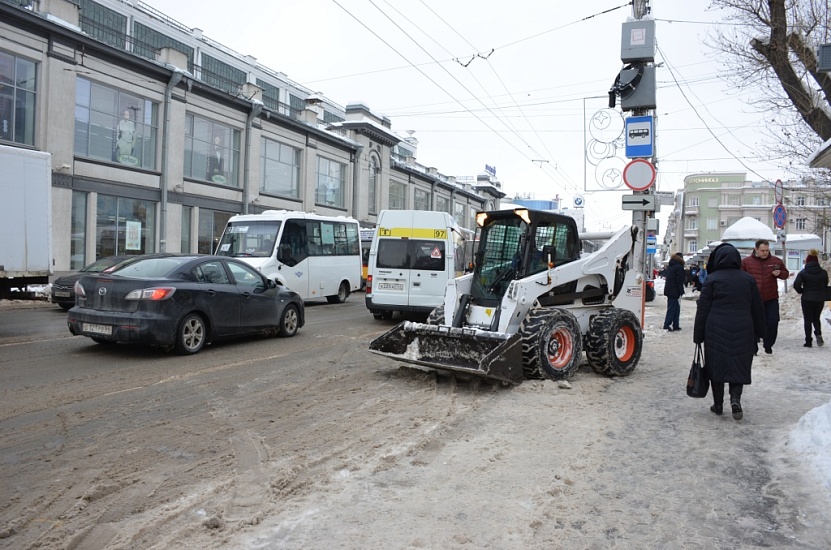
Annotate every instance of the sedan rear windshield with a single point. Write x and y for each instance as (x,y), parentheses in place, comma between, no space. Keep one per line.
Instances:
(151,267)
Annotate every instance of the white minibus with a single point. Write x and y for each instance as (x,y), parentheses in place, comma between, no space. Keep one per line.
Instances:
(315,256)
(412,256)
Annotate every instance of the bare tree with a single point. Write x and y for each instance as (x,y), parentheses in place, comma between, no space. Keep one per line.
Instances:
(771,48)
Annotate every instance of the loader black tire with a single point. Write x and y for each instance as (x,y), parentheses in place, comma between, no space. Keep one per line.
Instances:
(551,344)
(614,342)
(436,317)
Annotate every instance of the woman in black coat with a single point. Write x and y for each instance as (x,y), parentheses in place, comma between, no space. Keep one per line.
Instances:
(811,283)
(729,321)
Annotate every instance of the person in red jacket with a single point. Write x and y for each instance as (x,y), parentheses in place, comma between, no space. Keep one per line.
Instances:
(767,269)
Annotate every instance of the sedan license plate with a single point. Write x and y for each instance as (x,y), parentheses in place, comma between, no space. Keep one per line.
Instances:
(399,287)
(62,293)
(98,329)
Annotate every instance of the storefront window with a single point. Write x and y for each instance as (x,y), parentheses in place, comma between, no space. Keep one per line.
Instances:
(187,212)
(398,196)
(124,226)
(372,190)
(78,227)
(211,226)
(18,79)
(211,151)
(421,199)
(279,169)
(331,183)
(115,126)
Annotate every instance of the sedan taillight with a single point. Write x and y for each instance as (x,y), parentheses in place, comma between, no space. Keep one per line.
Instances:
(154,294)
(79,290)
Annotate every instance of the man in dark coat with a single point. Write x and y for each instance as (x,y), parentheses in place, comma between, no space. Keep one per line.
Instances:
(767,270)
(729,321)
(673,290)
(811,283)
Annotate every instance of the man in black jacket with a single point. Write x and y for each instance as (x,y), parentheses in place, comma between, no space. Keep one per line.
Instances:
(673,290)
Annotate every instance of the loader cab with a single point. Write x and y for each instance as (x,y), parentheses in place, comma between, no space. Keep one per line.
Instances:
(515,244)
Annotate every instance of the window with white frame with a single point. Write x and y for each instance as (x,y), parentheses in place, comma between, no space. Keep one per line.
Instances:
(801,224)
(279,169)
(755,200)
(211,151)
(712,223)
(331,183)
(471,223)
(800,201)
(692,224)
(692,246)
(712,202)
(421,199)
(398,196)
(821,201)
(18,88)
(372,185)
(115,126)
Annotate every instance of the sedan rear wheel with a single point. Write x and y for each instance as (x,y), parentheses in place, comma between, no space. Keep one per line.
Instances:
(191,334)
(289,322)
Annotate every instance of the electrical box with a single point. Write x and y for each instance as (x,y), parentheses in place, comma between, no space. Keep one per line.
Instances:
(638,88)
(638,41)
(824,58)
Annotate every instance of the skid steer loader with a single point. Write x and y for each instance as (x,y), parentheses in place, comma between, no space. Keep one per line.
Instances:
(531,305)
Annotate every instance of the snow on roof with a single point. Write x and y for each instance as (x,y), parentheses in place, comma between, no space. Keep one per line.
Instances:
(748,229)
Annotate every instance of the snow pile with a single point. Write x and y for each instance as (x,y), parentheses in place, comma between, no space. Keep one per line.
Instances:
(811,440)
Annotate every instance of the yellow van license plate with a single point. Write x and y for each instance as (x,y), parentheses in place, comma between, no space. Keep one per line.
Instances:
(391,286)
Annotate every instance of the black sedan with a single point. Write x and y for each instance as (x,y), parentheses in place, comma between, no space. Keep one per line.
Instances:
(182,302)
(63,288)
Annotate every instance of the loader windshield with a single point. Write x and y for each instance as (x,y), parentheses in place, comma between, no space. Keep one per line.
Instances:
(498,260)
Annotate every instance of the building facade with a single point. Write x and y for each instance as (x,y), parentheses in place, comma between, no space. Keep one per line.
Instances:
(712,202)
(158,134)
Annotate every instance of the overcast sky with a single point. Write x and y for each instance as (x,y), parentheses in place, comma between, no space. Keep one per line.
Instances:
(513,85)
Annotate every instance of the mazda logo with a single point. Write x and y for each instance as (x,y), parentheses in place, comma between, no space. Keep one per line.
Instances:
(102,291)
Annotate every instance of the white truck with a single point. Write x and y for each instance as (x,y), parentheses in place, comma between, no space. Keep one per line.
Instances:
(25,219)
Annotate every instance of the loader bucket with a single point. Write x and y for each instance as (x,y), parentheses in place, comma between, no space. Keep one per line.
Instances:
(480,353)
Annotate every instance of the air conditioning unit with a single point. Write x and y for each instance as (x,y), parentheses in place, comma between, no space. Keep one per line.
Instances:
(723,223)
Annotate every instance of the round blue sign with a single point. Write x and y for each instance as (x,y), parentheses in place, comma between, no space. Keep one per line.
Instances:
(780,216)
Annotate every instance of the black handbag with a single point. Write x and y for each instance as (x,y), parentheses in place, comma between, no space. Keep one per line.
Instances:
(698,381)
(828,293)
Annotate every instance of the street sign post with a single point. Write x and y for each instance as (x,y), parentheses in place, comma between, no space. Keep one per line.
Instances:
(780,216)
(639,137)
(638,202)
(639,175)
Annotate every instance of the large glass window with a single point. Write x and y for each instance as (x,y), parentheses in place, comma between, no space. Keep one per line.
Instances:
(398,196)
(443,204)
(279,169)
(114,125)
(211,151)
(459,213)
(372,185)
(78,227)
(18,84)
(124,226)
(211,225)
(331,183)
(184,244)
(421,199)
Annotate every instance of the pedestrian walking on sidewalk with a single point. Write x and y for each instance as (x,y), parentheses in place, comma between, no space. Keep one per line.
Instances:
(811,283)
(767,270)
(673,290)
(729,320)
